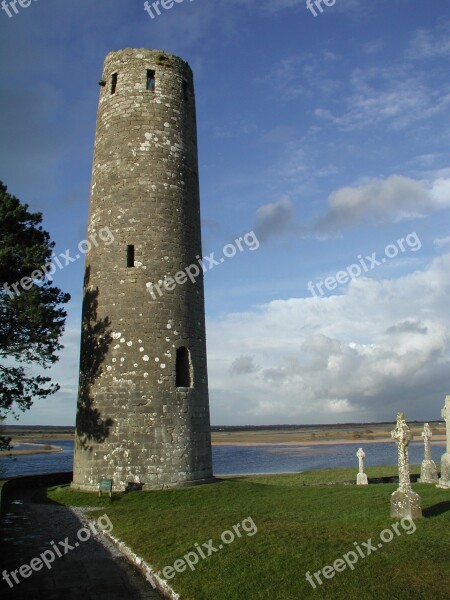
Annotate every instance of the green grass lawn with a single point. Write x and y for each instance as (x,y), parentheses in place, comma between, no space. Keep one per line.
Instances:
(302,525)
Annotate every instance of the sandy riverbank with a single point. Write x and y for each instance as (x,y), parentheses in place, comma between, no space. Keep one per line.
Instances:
(34,449)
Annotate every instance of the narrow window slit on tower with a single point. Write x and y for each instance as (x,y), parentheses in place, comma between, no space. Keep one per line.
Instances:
(113,83)
(185,89)
(150,80)
(183,368)
(130,255)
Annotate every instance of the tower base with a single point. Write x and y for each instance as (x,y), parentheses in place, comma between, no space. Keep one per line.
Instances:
(361,479)
(146,487)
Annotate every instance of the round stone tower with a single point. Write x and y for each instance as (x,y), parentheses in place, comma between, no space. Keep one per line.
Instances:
(143,409)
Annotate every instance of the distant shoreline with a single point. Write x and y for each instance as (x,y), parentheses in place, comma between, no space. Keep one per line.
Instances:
(437,440)
(301,438)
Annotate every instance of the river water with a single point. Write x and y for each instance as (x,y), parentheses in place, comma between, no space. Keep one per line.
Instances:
(241,460)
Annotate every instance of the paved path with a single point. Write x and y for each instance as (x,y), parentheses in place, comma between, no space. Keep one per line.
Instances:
(92,571)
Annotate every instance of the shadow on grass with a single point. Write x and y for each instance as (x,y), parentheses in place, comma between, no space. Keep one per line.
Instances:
(437,509)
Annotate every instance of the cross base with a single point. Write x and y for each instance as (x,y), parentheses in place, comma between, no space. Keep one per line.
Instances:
(444,481)
(428,472)
(406,505)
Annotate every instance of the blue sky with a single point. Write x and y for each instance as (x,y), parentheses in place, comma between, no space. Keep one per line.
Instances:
(328,136)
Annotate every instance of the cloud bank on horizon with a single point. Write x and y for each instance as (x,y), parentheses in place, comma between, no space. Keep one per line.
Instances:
(372,350)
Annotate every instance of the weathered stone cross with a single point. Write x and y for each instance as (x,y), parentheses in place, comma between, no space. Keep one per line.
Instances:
(444,481)
(402,436)
(362,477)
(428,470)
(404,502)
(446,417)
(426,434)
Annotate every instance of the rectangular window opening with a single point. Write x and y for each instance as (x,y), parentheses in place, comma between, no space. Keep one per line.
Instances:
(150,80)
(130,255)
(113,83)
(183,368)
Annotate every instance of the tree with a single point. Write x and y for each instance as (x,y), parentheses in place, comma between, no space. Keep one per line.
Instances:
(32,316)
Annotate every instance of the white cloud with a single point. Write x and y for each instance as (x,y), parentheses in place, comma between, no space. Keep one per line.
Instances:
(274,219)
(397,96)
(373,47)
(430,44)
(440,242)
(241,365)
(440,193)
(377,202)
(305,75)
(383,201)
(278,5)
(234,129)
(380,347)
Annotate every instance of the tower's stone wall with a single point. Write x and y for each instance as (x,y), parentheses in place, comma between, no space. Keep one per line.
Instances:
(133,423)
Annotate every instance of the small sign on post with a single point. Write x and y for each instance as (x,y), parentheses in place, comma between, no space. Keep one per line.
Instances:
(105,485)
